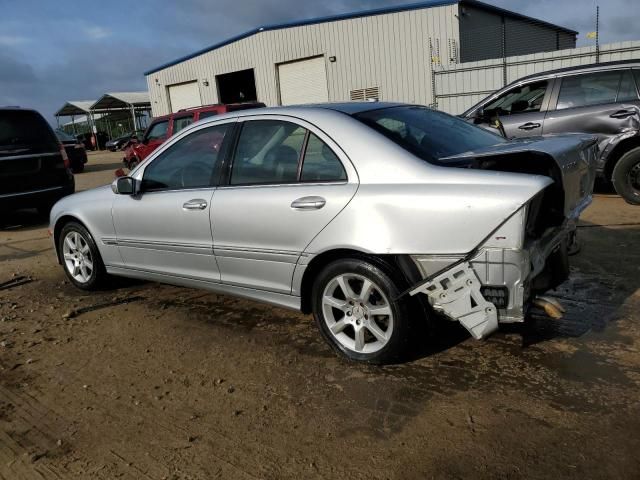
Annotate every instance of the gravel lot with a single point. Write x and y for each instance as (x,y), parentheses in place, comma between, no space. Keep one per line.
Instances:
(153,381)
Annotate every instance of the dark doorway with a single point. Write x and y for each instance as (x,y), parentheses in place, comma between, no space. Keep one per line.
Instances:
(237,87)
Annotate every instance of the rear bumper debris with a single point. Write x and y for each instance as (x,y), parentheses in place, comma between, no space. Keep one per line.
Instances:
(456,294)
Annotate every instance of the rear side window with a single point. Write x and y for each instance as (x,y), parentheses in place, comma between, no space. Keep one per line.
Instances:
(24,132)
(182,122)
(627,91)
(589,89)
(158,130)
(320,164)
(268,152)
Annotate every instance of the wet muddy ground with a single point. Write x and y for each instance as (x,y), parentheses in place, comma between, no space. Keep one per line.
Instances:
(152,381)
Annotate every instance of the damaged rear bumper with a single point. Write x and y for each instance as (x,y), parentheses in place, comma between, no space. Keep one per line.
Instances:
(495,285)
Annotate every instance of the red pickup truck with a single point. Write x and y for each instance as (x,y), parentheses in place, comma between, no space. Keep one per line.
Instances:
(164,127)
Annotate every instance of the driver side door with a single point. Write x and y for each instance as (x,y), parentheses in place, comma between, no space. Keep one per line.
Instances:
(165,228)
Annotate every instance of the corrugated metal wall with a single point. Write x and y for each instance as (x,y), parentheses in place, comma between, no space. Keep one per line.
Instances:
(461,86)
(482,36)
(389,51)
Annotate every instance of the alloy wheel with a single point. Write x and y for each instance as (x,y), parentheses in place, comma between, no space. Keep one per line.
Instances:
(357,313)
(77,257)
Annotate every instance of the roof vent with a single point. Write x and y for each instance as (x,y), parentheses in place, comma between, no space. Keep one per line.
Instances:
(365,94)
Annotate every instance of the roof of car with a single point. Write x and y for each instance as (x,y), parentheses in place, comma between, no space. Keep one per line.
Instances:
(578,68)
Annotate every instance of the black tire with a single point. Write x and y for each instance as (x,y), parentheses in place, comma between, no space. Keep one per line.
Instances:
(397,345)
(626,176)
(98,275)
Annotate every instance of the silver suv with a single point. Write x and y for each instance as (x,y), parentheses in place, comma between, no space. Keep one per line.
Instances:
(598,99)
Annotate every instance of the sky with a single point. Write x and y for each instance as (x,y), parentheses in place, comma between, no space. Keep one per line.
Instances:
(52,51)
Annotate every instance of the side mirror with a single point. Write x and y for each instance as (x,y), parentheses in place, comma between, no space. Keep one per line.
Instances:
(124,186)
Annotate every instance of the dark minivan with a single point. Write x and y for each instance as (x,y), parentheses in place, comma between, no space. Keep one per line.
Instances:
(601,99)
(34,168)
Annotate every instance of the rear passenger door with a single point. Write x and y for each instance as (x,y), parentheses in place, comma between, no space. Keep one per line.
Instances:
(603,103)
(285,183)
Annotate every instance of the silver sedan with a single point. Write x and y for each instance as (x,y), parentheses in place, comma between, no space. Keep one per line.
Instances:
(371,216)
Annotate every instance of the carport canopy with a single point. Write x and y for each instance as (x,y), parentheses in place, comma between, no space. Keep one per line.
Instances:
(76,107)
(121,101)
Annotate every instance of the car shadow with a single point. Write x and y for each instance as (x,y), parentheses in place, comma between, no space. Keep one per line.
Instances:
(22,220)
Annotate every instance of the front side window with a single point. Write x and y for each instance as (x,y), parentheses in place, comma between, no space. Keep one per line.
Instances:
(589,89)
(158,130)
(522,99)
(181,122)
(427,133)
(192,162)
(268,151)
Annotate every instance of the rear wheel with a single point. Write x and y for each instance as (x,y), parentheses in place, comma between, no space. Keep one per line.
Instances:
(626,176)
(354,309)
(80,257)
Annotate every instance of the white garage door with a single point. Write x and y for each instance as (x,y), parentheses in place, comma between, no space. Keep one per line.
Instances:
(184,95)
(304,81)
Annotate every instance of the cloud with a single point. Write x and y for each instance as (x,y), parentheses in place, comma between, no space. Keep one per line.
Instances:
(95,32)
(12,40)
(108,45)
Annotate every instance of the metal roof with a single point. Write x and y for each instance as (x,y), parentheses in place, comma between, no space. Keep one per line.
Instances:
(75,107)
(359,14)
(119,100)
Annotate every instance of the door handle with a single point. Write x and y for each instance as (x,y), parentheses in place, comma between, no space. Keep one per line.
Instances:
(195,204)
(308,203)
(622,114)
(529,126)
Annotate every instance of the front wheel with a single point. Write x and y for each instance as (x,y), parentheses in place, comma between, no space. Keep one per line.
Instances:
(354,309)
(80,257)
(626,176)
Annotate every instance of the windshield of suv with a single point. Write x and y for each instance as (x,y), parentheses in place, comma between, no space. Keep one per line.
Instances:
(23,132)
(427,133)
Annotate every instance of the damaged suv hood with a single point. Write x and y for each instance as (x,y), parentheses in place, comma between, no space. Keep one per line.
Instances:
(570,160)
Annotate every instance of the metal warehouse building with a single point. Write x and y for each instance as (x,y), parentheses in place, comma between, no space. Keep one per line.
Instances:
(384,54)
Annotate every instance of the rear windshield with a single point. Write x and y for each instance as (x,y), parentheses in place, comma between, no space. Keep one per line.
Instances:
(427,133)
(25,132)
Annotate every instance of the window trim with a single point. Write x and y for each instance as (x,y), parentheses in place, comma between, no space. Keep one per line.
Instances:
(213,183)
(226,179)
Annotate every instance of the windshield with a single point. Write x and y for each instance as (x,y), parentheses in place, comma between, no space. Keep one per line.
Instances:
(427,133)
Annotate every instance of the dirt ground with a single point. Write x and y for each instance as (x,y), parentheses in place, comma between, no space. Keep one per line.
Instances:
(161,382)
